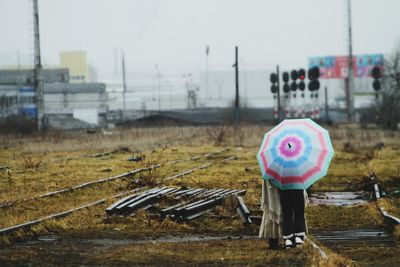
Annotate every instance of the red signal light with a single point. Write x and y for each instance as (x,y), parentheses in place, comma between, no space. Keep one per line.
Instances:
(302,74)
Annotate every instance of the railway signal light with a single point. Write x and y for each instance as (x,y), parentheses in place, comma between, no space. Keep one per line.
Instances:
(302,74)
(274,87)
(313,75)
(286,88)
(376,74)
(285,77)
(294,75)
(302,86)
(273,78)
(293,86)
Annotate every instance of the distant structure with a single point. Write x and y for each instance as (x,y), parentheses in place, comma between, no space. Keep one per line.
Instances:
(66,105)
(76,62)
(334,75)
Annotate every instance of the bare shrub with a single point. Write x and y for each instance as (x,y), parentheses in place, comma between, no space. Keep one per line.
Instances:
(56,136)
(148,178)
(31,162)
(348,147)
(217,134)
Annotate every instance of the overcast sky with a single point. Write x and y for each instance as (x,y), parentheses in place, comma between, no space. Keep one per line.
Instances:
(174,33)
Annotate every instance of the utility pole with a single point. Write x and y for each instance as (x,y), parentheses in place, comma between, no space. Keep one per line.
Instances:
(38,69)
(115,62)
(18,60)
(124,85)
(236,113)
(350,78)
(159,88)
(326,105)
(278,94)
(207,52)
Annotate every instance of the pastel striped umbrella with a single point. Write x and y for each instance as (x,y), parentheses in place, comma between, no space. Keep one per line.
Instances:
(295,154)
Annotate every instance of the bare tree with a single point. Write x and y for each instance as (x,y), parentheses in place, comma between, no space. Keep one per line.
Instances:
(388,105)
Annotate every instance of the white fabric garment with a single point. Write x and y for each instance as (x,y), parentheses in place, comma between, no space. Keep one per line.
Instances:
(271,224)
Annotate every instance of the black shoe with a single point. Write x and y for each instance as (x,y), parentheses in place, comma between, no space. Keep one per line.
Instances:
(273,243)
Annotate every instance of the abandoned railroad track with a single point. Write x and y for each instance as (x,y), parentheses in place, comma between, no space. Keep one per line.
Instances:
(27,225)
(122,176)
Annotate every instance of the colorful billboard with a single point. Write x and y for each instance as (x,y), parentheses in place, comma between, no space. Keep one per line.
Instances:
(335,67)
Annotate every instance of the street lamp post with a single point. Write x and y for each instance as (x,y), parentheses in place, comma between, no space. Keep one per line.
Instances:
(159,88)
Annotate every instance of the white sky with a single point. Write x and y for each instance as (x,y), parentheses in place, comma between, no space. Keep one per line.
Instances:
(173,33)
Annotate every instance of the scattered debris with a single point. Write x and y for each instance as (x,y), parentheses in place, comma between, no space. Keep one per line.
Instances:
(104,132)
(136,158)
(91,131)
(230,158)
(369,237)
(4,167)
(243,211)
(389,218)
(339,198)
(208,155)
(98,155)
(187,204)
(379,146)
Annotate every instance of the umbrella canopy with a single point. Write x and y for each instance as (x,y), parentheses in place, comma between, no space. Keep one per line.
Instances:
(295,154)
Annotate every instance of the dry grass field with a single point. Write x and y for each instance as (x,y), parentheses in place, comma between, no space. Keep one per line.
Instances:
(58,160)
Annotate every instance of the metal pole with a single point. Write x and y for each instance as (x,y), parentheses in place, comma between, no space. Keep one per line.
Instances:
(278,97)
(124,84)
(237,90)
(326,105)
(38,69)
(170,94)
(159,88)
(207,52)
(350,82)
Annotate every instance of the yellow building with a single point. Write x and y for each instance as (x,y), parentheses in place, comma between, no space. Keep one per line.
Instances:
(76,62)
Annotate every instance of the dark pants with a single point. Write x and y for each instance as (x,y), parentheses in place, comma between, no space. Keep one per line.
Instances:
(292,202)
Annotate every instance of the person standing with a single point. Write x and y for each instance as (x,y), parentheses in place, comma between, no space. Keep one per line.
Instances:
(271,224)
(294,226)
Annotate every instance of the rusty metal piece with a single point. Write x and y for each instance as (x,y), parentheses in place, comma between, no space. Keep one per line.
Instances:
(243,211)
(339,198)
(357,237)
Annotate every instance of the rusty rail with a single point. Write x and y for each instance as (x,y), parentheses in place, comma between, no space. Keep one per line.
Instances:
(29,224)
(80,186)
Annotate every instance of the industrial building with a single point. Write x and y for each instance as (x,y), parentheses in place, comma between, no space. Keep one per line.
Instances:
(76,63)
(66,105)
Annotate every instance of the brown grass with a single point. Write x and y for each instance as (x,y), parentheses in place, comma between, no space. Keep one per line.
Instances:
(45,163)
